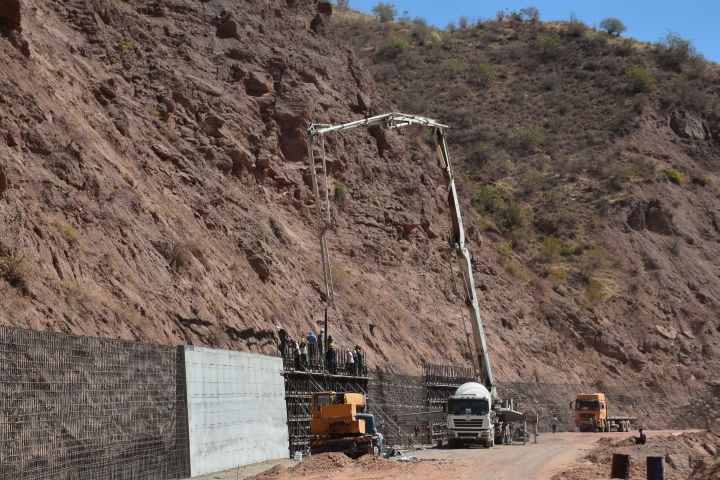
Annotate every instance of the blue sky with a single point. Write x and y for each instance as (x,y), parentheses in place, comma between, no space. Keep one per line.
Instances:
(647,20)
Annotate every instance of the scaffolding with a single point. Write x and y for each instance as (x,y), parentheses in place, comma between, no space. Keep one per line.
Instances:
(301,381)
(441,381)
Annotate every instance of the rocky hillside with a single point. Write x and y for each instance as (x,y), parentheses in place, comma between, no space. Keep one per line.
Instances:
(154,186)
(591,164)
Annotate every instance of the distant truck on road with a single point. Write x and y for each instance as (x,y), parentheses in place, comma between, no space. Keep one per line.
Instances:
(591,415)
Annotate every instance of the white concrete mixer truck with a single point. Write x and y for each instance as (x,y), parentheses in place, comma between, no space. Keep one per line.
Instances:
(470,416)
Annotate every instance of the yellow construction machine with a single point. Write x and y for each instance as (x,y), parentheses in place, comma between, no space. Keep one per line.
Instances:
(339,424)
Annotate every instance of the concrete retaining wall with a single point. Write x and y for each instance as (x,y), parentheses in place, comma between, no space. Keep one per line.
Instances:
(236,409)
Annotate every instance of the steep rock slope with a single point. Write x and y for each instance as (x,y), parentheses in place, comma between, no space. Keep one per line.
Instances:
(592,163)
(154,181)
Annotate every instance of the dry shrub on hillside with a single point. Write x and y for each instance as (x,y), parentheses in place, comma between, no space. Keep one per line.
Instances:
(15,269)
(640,80)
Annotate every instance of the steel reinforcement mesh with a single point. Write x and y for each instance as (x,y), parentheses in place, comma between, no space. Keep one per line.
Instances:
(78,407)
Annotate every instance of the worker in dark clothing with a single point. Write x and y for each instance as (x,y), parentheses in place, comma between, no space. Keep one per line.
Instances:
(331,359)
(359,360)
(282,340)
(640,439)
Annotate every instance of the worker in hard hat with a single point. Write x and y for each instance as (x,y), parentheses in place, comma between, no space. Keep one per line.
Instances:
(303,354)
(350,363)
(331,359)
(359,360)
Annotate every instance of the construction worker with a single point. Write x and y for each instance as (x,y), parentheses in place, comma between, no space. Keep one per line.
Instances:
(350,363)
(303,354)
(282,340)
(359,360)
(331,359)
(321,341)
(296,353)
(312,341)
(640,439)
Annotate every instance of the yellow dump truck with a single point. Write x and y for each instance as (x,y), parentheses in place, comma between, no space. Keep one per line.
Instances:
(591,415)
(340,424)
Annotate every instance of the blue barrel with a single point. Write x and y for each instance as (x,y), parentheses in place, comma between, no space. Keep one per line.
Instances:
(655,468)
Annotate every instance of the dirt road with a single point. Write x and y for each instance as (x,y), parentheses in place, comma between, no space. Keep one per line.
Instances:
(552,454)
(517,462)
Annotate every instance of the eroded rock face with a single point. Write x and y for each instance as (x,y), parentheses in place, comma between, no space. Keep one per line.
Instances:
(258,84)
(3,180)
(688,125)
(651,216)
(610,347)
(10,15)
(227,26)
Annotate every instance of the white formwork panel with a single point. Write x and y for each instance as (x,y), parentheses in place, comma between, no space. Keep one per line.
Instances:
(236,409)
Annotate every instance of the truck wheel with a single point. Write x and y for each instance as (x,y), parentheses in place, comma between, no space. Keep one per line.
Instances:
(452,443)
(488,444)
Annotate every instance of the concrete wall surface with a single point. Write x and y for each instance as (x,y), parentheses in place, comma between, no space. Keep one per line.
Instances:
(236,409)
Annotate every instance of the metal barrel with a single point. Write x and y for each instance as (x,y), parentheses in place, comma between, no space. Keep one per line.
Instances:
(620,466)
(655,468)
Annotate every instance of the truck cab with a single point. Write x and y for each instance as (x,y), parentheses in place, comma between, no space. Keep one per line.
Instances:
(591,412)
(470,417)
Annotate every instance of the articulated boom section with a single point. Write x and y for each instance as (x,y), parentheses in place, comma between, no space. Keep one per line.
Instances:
(317,134)
(458,243)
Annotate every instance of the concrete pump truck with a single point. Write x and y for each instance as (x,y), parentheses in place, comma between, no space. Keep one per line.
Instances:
(474,415)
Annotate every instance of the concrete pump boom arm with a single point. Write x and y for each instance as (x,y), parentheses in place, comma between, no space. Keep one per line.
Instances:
(397,120)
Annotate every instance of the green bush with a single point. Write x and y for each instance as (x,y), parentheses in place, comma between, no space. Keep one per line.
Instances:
(674,176)
(704,180)
(575,28)
(550,249)
(70,234)
(341,192)
(592,260)
(484,74)
(557,274)
(640,80)
(530,138)
(567,251)
(505,248)
(594,294)
(393,46)
(508,214)
(549,46)
(452,67)
(517,271)
(612,26)
(675,50)
(386,12)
